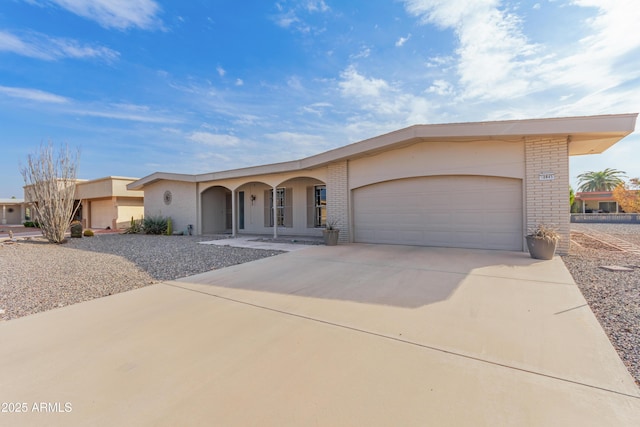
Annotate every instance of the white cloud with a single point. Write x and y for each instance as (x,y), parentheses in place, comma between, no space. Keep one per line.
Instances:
(317,108)
(495,61)
(296,16)
(239,82)
(364,53)
(357,85)
(494,57)
(124,111)
(41,46)
(441,87)
(287,19)
(118,14)
(402,40)
(295,83)
(317,6)
(33,95)
(214,139)
(221,71)
(380,106)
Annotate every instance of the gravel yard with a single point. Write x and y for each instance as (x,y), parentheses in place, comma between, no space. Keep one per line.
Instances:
(38,276)
(614,296)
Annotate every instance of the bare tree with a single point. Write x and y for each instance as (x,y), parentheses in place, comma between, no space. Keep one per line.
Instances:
(50,180)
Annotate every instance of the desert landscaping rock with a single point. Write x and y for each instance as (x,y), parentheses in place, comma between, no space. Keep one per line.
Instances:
(39,276)
(614,296)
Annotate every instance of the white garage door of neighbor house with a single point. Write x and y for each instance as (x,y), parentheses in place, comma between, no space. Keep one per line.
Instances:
(449,211)
(101,213)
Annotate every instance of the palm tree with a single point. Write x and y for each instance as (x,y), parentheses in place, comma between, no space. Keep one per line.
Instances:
(605,180)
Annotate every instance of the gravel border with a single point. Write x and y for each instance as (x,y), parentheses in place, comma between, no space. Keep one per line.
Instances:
(38,276)
(613,296)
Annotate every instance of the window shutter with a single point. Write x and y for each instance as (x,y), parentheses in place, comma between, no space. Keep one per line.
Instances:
(267,208)
(311,204)
(288,207)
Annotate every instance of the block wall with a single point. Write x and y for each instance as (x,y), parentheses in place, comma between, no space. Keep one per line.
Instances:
(547,187)
(338,198)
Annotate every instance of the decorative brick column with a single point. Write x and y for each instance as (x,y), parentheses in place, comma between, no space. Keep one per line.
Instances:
(338,198)
(547,186)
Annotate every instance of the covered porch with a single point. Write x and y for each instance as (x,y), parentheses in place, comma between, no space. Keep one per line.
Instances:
(295,206)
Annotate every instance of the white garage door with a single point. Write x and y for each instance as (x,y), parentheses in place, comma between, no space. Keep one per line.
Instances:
(450,211)
(101,213)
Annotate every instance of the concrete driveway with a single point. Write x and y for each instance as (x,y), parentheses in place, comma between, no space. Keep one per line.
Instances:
(353,335)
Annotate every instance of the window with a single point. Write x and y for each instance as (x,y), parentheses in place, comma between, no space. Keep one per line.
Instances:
(280,204)
(320,207)
(284,207)
(608,207)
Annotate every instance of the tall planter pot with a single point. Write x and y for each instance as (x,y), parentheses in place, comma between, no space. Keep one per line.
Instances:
(541,248)
(331,236)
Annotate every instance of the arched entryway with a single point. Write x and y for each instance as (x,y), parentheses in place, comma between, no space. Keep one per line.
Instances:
(216,207)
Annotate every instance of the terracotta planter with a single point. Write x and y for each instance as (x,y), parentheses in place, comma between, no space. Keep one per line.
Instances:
(541,248)
(330,237)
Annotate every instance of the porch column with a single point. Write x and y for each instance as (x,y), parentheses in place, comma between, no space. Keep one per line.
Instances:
(22,218)
(233,213)
(4,216)
(275,212)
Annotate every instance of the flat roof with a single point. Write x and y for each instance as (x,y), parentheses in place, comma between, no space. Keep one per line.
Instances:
(586,135)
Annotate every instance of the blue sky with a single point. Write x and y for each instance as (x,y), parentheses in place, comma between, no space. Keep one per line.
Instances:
(204,85)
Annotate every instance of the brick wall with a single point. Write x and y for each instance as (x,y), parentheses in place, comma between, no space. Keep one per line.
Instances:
(338,198)
(547,200)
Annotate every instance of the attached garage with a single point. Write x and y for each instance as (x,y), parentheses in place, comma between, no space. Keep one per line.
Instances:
(453,211)
(102,213)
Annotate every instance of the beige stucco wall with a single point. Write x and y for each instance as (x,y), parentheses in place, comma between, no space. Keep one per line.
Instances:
(11,214)
(127,208)
(106,187)
(184,206)
(492,158)
(547,201)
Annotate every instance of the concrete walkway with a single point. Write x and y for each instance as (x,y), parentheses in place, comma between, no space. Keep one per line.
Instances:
(353,335)
(257,242)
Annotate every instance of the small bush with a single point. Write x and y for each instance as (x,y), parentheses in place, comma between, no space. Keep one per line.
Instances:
(31,224)
(88,233)
(135,227)
(76,229)
(155,225)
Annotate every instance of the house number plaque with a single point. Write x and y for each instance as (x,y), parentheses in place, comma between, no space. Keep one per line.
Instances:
(547,176)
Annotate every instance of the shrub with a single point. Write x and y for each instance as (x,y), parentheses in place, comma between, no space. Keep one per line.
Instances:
(135,227)
(31,224)
(76,229)
(88,233)
(169,227)
(154,225)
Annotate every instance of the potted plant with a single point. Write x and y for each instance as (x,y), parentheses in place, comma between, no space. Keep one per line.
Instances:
(330,233)
(542,242)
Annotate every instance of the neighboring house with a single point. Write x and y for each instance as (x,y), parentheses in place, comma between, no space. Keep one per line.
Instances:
(106,202)
(14,211)
(597,202)
(470,185)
